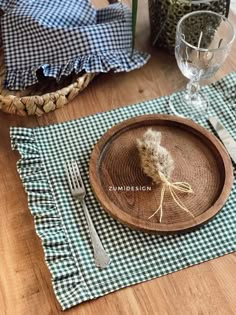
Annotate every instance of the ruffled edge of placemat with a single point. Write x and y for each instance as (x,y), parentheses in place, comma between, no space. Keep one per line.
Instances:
(49,225)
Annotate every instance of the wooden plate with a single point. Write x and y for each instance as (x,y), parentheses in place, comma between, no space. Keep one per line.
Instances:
(200,159)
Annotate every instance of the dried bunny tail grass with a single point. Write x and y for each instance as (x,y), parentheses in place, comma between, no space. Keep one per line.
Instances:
(158,164)
(154,157)
(153,136)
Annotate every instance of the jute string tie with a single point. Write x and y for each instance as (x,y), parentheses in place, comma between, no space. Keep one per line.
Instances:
(183,187)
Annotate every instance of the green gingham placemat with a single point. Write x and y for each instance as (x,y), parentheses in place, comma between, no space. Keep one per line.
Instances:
(61,224)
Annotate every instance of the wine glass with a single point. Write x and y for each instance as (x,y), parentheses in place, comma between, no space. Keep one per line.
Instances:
(203,42)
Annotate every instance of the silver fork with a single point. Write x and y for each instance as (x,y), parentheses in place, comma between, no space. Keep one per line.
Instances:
(77,189)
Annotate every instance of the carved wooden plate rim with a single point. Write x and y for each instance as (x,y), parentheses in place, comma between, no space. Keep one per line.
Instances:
(156,227)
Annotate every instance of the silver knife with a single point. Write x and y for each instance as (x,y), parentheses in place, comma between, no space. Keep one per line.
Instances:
(224,136)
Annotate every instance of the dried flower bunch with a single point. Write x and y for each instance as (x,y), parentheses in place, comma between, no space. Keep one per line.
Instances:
(158,164)
(155,159)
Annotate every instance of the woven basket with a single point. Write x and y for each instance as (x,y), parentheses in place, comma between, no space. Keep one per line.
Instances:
(32,104)
(43,97)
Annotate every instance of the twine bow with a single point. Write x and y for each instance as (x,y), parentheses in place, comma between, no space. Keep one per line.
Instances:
(179,186)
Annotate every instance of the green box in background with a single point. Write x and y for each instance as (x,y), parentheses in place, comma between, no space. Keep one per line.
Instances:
(165,14)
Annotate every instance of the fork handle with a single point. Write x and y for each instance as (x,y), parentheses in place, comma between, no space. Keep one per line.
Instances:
(101,258)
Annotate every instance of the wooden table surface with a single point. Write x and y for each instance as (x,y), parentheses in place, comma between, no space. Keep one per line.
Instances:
(25,286)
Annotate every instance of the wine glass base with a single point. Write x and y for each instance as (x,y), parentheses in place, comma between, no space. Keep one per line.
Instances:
(181,105)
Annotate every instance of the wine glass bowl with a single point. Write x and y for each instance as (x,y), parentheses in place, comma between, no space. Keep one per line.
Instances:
(203,42)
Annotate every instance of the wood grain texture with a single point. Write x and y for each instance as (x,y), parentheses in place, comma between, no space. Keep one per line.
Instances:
(25,285)
(199,159)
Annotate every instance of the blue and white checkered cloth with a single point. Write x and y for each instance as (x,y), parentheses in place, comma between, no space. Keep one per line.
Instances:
(63,36)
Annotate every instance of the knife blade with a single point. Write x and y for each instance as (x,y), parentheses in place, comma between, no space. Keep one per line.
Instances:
(225,137)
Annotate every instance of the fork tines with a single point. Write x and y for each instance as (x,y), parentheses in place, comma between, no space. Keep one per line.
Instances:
(74,176)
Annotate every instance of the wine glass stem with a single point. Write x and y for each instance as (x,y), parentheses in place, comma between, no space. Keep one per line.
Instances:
(192,90)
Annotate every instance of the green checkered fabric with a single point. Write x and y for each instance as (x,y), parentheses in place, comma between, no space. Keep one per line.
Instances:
(61,224)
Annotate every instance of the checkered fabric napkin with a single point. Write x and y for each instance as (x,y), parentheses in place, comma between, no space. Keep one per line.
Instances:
(61,224)
(63,36)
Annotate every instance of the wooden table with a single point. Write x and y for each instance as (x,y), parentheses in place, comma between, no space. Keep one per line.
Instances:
(25,286)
